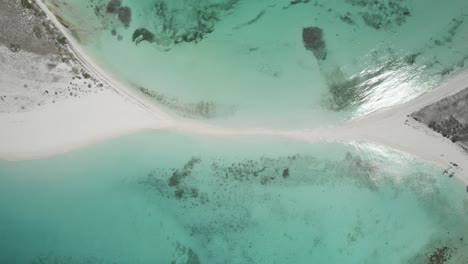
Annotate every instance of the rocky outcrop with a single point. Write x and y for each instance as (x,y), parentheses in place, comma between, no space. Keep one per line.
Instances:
(142,34)
(449,117)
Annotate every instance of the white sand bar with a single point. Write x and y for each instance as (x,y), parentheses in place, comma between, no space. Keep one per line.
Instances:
(68,125)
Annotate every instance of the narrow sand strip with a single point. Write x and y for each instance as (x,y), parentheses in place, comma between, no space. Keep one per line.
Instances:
(67,126)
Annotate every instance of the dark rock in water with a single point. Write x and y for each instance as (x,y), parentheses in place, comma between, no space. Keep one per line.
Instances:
(125,15)
(14,47)
(286,173)
(113,6)
(313,41)
(142,34)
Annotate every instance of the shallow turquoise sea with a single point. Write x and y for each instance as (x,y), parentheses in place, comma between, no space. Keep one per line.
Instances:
(245,63)
(157,197)
(166,197)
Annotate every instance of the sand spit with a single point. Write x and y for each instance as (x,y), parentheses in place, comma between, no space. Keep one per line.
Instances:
(69,125)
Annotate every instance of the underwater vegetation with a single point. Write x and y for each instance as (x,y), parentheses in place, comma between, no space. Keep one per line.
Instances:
(173,22)
(384,14)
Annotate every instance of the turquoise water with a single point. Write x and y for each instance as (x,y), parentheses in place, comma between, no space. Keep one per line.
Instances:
(165,197)
(160,197)
(244,63)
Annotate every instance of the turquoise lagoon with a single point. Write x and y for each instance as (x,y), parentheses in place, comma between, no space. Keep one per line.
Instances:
(244,63)
(163,197)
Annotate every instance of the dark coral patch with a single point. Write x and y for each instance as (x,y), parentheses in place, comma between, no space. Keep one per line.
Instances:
(313,41)
(179,175)
(382,14)
(440,255)
(125,15)
(142,34)
(113,6)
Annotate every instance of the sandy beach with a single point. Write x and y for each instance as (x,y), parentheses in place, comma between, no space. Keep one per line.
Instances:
(69,125)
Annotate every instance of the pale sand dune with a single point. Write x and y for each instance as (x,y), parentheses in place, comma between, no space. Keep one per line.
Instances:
(67,126)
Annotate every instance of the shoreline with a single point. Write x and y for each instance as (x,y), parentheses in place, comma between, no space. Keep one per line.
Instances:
(93,67)
(389,127)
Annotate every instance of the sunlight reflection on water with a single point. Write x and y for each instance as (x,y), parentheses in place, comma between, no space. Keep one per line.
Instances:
(398,85)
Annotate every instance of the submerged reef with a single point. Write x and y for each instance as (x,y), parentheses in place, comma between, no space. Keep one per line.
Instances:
(314,41)
(347,18)
(174,24)
(114,8)
(202,109)
(382,14)
(142,34)
(185,255)
(264,171)
(440,255)
(176,185)
(236,190)
(170,22)
(451,32)
(179,175)
(445,250)
(361,170)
